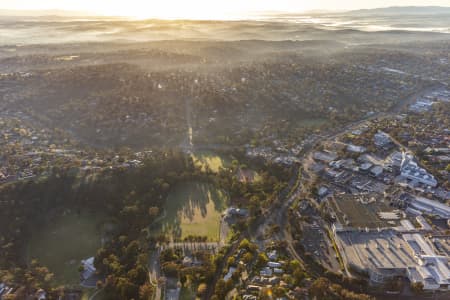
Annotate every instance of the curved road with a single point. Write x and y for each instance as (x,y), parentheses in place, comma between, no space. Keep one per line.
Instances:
(280,215)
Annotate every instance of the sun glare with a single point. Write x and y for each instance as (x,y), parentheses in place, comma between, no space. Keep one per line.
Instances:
(196,9)
(166,9)
(177,9)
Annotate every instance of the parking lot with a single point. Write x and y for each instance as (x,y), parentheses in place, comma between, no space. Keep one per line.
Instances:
(315,241)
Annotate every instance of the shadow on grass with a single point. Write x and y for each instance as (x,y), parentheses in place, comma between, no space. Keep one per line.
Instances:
(190,202)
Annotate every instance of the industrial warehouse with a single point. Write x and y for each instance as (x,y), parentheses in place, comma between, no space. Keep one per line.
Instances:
(388,253)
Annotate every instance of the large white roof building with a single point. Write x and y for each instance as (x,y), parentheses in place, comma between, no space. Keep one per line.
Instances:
(387,253)
(431,207)
(410,170)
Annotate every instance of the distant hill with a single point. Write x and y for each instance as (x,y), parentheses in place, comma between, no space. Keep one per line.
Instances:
(40,13)
(404,10)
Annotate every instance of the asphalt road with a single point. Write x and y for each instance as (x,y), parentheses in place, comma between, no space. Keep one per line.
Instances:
(280,215)
(154,273)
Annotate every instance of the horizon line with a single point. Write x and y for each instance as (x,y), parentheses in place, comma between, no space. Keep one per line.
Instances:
(56,12)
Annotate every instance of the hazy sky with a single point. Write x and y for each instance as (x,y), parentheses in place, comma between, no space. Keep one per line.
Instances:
(204,8)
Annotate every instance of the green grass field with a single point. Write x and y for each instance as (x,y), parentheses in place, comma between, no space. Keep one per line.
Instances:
(209,159)
(63,242)
(194,208)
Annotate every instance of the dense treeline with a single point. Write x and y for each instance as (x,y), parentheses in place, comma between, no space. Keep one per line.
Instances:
(124,263)
(125,194)
(324,289)
(258,195)
(131,198)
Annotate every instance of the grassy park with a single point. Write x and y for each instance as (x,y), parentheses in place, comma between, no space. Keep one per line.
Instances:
(63,242)
(194,208)
(208,159)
